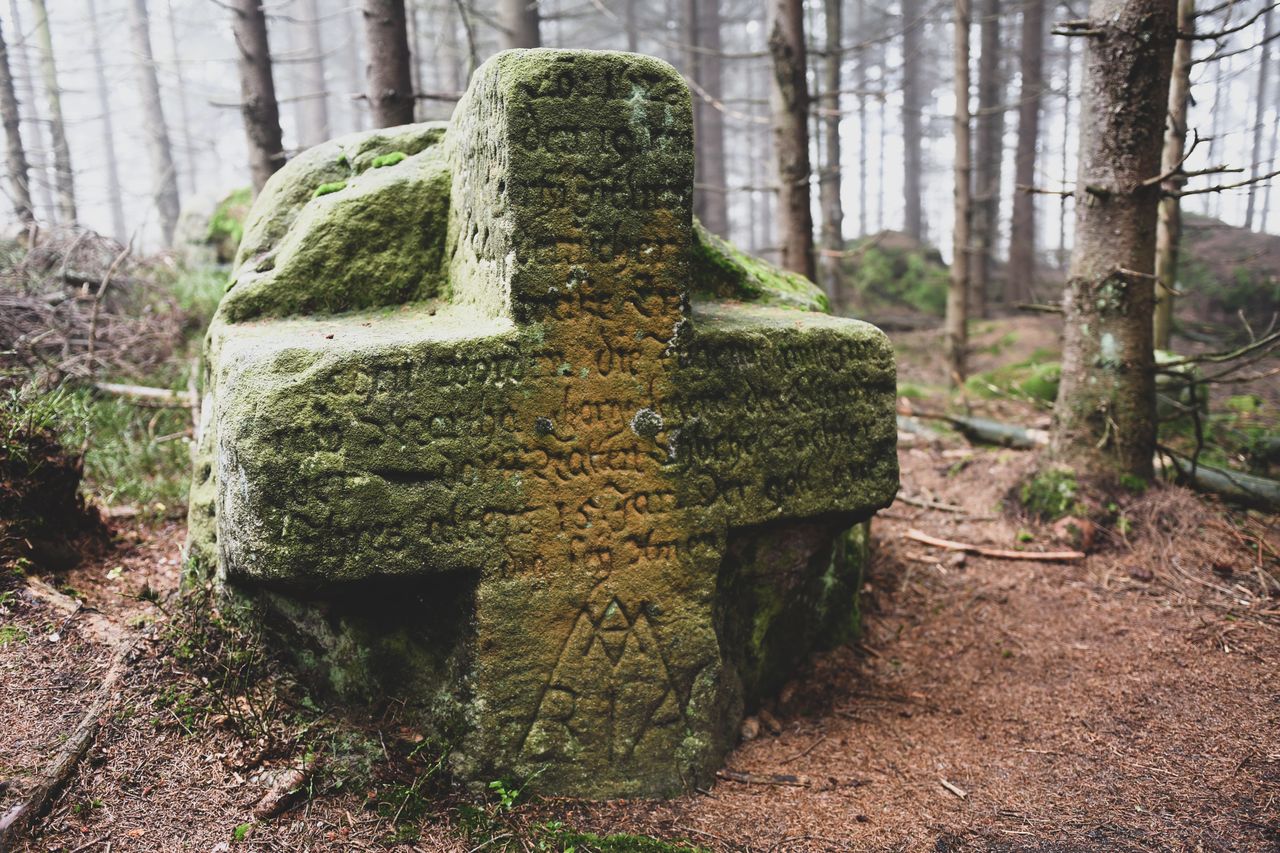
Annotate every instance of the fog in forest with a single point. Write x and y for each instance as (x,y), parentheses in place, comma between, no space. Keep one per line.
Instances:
(888,51)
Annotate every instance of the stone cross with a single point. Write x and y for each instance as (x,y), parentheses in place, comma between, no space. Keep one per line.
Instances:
(481,435)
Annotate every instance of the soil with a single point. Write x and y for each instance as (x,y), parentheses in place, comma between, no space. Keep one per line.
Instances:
(1125,701)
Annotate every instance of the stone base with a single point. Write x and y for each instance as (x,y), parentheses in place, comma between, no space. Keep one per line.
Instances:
(784,590)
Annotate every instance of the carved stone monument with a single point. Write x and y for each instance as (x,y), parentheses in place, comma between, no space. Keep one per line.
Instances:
(492,426)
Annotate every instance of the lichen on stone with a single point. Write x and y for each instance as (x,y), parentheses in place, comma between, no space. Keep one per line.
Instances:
(512,380)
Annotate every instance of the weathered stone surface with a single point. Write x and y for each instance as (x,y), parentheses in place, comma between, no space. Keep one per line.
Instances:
(496,428)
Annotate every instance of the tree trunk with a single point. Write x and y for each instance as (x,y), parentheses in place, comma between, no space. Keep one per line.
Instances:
(258,106)
(25,86)
(1169,220)
(957,320)
(108,128)
(520,23)
(860,27)
(829,183)
(1068,63)
(790,99)
(989,155)
(912,110)
(415,53)
(64,178)
(313,118)
(355,70)
(390,80)
(165,177)
(629,23)
(184,110)
(15,153)
(1259,125)
(713,201)
(1104,422)
(1021,272)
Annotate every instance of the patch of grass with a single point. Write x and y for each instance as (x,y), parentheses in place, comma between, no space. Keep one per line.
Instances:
(1052,494)
(12,634)
(554,835)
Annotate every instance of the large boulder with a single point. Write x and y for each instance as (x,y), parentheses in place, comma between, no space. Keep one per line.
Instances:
(491,426)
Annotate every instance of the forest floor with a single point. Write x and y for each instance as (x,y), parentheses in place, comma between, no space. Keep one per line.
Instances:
(1127,701)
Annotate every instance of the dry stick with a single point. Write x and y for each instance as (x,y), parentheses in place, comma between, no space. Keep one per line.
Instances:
(782,779)
(808,750)
(997,553)
(15,821)
(97,301)
(953,789)
(177,399)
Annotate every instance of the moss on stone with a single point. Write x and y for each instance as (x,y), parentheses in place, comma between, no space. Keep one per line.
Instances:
(631,506)
(388,159)
(331,187)
(722,271)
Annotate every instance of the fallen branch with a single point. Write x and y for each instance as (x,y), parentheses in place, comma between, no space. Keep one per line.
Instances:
(783,779)
(15,821)
(1246,489)
(953,789)
(164,396)
(996,553)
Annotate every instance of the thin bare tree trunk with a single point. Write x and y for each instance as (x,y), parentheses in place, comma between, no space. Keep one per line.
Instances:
(989,154)
(1259,125)
(36,145)
(184,111)
(165,177)
(790,98)
(258,106)
(715,195)
(1068,62)
(313,109)
(355,70)
(830,177)
(1104,422)
(1169,218)
(957,320)
(520,23)
(912,109)
(15,153)
(629,23)
(64,177)
(860,22)
(1021,272)
(108,129)
(415,52)
(391,93)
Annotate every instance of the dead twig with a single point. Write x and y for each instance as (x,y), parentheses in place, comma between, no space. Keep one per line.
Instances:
(953,789)
(997,553)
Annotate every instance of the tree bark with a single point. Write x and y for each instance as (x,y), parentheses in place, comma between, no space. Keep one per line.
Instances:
(1169,219)
(15,153)
(108,128)
(64,178)
(912,110)
(860,26)
(355,69)
(391,95)
(790,99)
(313,109)
(258,106)
(1021,272)
(711,204)
(184,110)
(629,23)
(957,320)
(1259,125)
(1104,423)
(520,24)
(830,179)
(165,177)
(989,154)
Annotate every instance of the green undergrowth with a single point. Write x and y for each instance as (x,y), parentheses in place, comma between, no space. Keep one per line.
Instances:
(1033,379)
(1052,494)
(892,273)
